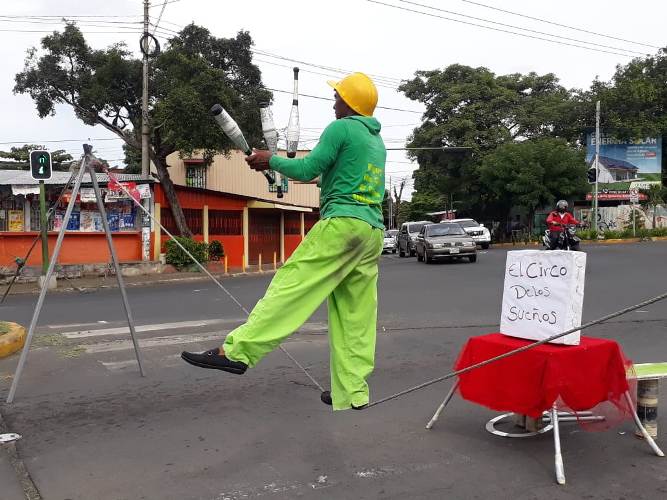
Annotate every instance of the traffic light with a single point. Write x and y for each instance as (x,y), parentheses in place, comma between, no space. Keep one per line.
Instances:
(592,174)
(40,165)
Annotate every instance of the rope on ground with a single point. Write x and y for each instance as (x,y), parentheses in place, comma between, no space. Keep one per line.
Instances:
(520,349)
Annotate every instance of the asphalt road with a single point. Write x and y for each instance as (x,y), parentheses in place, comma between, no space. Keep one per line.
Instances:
(93,429)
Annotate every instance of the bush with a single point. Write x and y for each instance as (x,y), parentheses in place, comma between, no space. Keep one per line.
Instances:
(612,235)
(179,259)
(215,250)
(659,231)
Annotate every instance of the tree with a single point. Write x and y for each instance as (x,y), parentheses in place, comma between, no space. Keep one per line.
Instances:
(533,173)
(655,195)
(21,155)
(473,107)
(103,87)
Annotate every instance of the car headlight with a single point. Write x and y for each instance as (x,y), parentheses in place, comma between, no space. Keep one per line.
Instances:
(468,243)
(437,245)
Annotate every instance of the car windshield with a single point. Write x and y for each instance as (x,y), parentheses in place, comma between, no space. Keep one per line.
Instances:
(391,233)
(445,230)
(469,223)
(415,228)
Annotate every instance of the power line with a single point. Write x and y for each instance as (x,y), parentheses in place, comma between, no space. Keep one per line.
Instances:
(559,24)
(519,27)
(33,141)
(330,99)
(166,3)
(313,72)
(495,29)
(159,17)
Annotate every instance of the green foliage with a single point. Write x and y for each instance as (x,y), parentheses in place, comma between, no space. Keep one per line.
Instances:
(59,158)
(179,259)
(473,107)
(215,250)
(533,174)
(194,71)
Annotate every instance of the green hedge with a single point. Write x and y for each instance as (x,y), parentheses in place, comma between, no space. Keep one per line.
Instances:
(624,234)
(179,259)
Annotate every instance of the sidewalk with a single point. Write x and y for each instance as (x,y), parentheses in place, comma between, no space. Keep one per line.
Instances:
(9,483)
(10,486)
(94,283)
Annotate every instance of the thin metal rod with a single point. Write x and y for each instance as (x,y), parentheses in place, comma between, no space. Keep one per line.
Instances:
(558,457)
(444,403)
(220,285)
(42,293)
(641,428)
(520,349)
(114,259)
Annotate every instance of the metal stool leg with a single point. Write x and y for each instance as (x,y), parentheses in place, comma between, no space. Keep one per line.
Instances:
(560,471)
(641,428)
(449,395)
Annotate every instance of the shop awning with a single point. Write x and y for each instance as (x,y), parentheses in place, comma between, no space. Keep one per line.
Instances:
(18,189)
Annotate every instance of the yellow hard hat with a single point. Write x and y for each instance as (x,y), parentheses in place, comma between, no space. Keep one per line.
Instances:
(358,91)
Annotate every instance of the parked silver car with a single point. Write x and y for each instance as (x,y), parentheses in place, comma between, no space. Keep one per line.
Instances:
(407,236)
(444,240)
(389,244)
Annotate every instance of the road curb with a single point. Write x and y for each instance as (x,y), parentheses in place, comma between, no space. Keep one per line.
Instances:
(114,284)
(615,241)
(12,340)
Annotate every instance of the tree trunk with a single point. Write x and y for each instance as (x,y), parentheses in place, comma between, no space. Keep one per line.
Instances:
(170,193)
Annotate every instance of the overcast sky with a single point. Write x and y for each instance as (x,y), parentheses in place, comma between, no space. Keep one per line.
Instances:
(351,35)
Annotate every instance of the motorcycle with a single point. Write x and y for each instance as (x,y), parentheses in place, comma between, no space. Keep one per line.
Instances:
(567,239)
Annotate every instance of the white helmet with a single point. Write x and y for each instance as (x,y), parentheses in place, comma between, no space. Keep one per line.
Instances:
(561,205)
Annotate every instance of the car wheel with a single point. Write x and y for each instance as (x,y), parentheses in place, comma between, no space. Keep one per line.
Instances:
(393,250)
(427,259)
(485,246)
(473,258)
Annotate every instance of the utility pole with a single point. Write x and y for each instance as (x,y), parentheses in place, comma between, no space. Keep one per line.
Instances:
(145,136)
(391,203)
(597,164)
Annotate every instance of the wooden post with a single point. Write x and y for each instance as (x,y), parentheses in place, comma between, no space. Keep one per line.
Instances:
(243,262)
(274,261)
(246,232)
(282,236)
(226,264)
(205,223)
(260,262)
(303,226)
(157,230)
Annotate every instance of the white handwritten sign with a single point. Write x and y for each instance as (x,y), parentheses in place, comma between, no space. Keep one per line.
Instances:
(543,294)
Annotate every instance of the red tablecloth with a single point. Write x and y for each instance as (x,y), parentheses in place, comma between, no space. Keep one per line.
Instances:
(530,382)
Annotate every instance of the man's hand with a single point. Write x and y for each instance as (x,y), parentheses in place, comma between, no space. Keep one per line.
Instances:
(259,160)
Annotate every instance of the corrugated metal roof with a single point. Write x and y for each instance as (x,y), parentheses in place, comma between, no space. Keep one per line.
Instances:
(23,177)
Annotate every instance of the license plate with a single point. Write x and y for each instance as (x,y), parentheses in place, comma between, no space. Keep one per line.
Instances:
(454,250)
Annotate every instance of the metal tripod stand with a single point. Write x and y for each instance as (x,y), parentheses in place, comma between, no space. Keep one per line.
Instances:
(86,166)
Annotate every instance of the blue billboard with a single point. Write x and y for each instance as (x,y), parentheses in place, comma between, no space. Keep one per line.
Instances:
(639,156)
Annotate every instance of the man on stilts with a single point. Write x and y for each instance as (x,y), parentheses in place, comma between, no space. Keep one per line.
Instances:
(338,259)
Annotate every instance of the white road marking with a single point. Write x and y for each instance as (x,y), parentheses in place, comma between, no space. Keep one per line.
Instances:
(124,330)
(123,345)
(132,363)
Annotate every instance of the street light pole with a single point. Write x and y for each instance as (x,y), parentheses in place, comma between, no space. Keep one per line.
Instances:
(597,164)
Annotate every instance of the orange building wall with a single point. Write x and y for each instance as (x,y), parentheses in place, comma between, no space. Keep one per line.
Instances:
(77,248)
(291,242)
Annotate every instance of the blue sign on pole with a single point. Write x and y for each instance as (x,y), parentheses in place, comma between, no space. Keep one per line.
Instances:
(626,160)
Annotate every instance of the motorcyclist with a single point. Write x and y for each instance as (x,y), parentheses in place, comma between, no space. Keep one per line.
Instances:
(557,221)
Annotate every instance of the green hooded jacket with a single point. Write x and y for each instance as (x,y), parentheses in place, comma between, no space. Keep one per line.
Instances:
(350,158)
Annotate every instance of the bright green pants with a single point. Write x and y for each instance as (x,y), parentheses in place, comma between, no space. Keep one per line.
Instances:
(338,259)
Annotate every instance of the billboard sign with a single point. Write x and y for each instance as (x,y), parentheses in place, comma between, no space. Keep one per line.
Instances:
(626,160)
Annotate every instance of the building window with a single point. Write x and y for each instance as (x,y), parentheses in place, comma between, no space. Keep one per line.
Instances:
(195,176)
